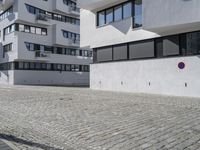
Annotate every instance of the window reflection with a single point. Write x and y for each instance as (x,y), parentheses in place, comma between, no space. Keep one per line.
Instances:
(127,10)
(109,15)
(118,13)
(138,13)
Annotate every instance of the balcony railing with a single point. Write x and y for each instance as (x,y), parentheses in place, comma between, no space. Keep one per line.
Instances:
(42,17)
(43,54)
(76,9)
(75,41)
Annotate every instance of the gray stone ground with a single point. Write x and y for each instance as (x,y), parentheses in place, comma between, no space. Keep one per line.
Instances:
(56,118)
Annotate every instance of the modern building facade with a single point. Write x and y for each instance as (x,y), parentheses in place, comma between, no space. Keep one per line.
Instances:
(143,46)
(40,43)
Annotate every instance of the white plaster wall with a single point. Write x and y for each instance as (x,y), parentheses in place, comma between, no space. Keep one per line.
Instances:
(114,33)
(166,13)
(163,75)
(7,77)
(160,18)
(58,38)
(50,78)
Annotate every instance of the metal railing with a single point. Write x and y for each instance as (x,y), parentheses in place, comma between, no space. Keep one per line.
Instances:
(42,17)
(39,53)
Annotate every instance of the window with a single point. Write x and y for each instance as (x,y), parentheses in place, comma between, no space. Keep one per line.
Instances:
(138,14)
(59,50)
(21,65)
(127,10)
(70,35)
(43,66)
(7,47)
(26,65)
(27,29)
(6,13)
(48,66)
(120,52)
(118,13)
(132,8)
(167,46)
(53,16)
(37,65)
(109,15)
(21,28)
(101,18)
(33,30)
(68,67)
(44,31)
(38,31)
(63,67)
(171,46)
(142,49)
(32,65)
(190,43)
(75,68)
(104,54)
(159,47)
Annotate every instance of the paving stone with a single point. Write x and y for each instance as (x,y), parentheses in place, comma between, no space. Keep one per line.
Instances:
(59,118)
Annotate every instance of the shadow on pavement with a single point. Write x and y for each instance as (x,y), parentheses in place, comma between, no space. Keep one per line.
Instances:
(12,138)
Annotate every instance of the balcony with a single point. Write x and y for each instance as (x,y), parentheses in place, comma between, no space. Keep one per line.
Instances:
(42,54)
(5,4)
(74,10)
(42,19)
(60,7)
(74,42)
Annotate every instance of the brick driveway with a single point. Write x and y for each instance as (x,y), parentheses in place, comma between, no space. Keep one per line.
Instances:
(56,118)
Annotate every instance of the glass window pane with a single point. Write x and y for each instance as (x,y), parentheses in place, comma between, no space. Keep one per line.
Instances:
(21,28)
(27,29)
(101,18)
(33,30)
(138,13)
(127,10)
(159,47)
(44,32)
(118,13)
(38,30)
(109,15)
(190,43)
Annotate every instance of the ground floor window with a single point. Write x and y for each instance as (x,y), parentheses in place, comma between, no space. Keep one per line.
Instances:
(37,66)
(183,44)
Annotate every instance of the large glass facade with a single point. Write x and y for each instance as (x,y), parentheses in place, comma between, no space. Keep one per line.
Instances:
(132,8)
(118,13)
(184,44)
(109,15)
(127,10)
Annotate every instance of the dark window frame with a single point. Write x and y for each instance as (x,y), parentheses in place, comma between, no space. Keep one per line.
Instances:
(181,53)
(113,11)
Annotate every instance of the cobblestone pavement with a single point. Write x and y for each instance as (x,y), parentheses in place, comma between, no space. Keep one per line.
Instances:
(57,118)
(4,146)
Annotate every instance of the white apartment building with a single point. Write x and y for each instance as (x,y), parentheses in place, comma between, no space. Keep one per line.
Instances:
(40,43)
(143,46)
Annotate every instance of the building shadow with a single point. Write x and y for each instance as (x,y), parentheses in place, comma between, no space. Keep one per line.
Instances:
(12,138)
